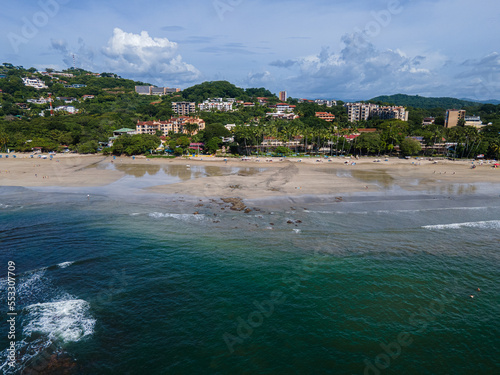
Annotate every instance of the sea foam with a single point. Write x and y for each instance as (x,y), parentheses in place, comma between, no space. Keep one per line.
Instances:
(66,321)
(493,224)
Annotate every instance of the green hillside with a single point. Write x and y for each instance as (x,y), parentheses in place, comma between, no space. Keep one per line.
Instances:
(417,101)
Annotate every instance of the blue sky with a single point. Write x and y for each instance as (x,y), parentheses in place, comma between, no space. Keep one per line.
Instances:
(334,49)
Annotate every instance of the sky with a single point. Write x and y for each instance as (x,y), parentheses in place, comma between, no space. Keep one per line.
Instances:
(335,49)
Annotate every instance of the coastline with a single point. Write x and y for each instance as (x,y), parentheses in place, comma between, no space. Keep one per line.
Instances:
(249,179)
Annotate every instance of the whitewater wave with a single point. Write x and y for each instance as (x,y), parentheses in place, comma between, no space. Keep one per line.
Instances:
(493,224)
(62,321)
(184,217)
(65,264)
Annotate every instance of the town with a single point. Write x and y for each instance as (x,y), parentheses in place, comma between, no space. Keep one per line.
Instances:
(79,111)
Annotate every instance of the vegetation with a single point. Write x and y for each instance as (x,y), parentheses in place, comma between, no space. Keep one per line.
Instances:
(25,126)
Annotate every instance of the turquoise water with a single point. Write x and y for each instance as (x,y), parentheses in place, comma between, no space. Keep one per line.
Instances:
(139,284)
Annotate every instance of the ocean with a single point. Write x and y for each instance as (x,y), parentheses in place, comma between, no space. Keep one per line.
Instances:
(119,281)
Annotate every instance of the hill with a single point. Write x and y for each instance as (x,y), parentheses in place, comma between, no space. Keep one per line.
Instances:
(417,101)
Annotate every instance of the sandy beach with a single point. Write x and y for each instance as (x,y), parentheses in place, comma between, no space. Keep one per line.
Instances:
(252,178)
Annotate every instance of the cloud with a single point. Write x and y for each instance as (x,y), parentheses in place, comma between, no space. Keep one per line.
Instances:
(258,79)
(358,70)
(143,56)
(232,48)
(283,63)
(82,55)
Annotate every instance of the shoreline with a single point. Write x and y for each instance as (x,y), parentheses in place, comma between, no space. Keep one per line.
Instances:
(250,179)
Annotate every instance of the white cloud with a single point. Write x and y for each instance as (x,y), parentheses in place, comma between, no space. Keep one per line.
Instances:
(143,56)
(359,70)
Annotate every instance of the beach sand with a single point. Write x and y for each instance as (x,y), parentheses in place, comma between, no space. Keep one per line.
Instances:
(250,178)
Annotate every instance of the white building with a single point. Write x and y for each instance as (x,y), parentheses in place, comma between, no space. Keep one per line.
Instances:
(37,83)
(217,104)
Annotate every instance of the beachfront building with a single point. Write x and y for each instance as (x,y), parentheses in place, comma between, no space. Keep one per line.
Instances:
(325,116)
(176,125)
(364,111)
(184,108)
(453,116)
(37,83)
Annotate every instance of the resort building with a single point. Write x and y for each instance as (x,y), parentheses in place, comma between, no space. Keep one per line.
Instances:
(184,108)
(176,125)
(453,116)
(325,116)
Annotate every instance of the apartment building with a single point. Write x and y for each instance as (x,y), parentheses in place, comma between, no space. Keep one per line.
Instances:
(176,125)
(283,96)
(184,108)
(453,116)
(363,111)
(388,113)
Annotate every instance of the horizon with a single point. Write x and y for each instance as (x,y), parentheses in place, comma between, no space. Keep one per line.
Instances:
(369,50)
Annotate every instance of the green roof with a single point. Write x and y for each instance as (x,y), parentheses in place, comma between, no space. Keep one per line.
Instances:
(124,130)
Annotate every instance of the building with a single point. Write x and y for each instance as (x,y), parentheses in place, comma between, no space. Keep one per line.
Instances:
(176,125)
(453,116)
(282,96)
(39,101)
(388,113)
(37,83)
(474,121)
(328,103)
(217,104)
(153,90)
(364,111)
(429,121)
(66,108)
(184,108)
(325,116)
(359,111)
(118,132)
(85,97)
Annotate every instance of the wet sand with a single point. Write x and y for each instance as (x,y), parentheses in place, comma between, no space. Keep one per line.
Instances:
(254,178)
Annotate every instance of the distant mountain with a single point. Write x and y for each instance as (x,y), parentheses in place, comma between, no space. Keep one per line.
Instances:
(489,101)
(418,101)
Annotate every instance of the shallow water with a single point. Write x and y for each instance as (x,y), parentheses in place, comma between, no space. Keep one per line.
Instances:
(161,284)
